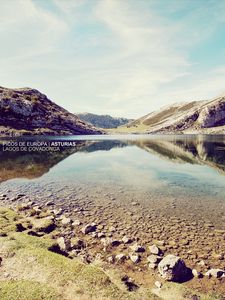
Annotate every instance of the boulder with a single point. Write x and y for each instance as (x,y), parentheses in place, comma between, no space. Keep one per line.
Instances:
(89,228)
(173,268)
(45,224)
(217,273)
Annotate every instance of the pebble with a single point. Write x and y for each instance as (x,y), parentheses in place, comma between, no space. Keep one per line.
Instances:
(66,221)
(120,257)
(134,258)
(196,274)
(76,223)
(137,248)
(158,284)
(154,249)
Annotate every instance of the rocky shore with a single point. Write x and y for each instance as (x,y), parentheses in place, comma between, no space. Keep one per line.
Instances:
(145,258)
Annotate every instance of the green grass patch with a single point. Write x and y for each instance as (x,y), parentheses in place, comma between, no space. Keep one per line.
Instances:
(27,290)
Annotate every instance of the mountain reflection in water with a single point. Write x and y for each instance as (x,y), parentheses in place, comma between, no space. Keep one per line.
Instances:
(200,150)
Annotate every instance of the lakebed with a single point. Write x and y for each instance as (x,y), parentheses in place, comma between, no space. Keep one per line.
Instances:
(146,190)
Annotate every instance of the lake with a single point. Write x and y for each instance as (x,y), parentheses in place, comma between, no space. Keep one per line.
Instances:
(168,188)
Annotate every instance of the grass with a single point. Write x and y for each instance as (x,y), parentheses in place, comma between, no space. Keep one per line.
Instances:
(27,290)
(35,273)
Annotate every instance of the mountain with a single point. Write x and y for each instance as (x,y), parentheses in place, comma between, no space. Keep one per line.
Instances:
(26,111)
(190,117)
(103,121)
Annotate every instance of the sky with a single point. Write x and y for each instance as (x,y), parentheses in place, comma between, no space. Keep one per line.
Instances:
(120,57)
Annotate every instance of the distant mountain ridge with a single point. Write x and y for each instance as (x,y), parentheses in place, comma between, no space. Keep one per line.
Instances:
(103,121)
(27,111)
(189,117)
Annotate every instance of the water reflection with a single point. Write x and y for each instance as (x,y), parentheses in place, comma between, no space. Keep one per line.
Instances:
(194,150)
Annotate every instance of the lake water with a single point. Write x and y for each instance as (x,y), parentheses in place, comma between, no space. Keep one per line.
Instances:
(168,188)
(191,166)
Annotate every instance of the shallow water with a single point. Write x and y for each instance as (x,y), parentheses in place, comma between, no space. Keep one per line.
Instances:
(182,174)
(173,164)
(167,188)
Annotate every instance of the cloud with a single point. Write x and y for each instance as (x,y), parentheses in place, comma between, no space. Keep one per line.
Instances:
(27,29)
(109,56)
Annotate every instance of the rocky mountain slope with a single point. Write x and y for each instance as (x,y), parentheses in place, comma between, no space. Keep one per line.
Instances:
(27,111)
(189,117)
(103,121)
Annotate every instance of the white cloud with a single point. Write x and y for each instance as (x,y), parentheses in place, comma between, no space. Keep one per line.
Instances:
(106,56)
(28,30)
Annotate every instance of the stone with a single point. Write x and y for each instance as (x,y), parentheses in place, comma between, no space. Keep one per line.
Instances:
(76,223)
(196,274)
(137,248)
(110,242)
(120,257)
(201,263)
(126,240)
(152,265)
(66,221)
(158,284)
(217,273)
(77,243)
(134,258)
(89,228)
(111,259)
(63,244)
(23,206)
(172,268)
(154,259)
(45,224)
(154,249)
(48,203)
(100,235)
(58,212)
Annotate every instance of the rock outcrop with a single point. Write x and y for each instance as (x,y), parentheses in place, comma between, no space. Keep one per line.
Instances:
(26,111)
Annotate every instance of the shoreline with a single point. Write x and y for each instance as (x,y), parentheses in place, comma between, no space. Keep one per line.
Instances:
(110,242)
